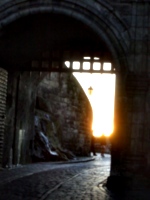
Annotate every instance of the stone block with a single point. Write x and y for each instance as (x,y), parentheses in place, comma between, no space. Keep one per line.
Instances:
(138,118)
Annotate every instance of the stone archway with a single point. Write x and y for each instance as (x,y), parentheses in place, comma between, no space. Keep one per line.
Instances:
(100,19)
(104,22)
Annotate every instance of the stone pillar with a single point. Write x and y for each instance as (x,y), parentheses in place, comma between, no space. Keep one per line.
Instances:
(137,86)
(128,141)
(119,137)
(19,122)
(24,117)
(3,93)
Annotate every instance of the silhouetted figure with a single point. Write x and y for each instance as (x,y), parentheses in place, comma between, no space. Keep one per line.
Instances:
(93,145)
(102,145)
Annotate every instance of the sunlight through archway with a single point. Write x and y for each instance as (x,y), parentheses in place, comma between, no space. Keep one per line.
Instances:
(101,97)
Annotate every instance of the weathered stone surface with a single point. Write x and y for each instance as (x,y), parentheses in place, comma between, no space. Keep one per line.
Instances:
(69,114)
(119,30)
(46,143)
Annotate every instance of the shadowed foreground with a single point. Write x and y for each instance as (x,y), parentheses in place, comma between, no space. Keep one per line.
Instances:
(80,179)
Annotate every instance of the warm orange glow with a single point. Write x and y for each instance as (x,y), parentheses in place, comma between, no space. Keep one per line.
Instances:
(101,96)
(101,99)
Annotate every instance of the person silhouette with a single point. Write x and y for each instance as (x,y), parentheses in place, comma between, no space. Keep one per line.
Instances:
(103,145)
(93,145)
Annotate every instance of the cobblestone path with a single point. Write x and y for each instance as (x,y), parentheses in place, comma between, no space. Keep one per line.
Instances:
(61,182)
(55,181)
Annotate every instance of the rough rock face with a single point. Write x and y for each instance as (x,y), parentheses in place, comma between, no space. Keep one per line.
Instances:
(62,119)
(62,110)
(47,146)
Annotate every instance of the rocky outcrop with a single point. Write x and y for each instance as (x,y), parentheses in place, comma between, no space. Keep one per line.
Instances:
(47,146)
(62,119)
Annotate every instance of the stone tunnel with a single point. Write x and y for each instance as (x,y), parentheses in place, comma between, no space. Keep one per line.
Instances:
(36,37)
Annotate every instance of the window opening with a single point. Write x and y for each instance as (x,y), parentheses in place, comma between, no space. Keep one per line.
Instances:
(67,63)
(96,58)
(96,66)
(86,65)
(107,66)
(87,58)
(76,65)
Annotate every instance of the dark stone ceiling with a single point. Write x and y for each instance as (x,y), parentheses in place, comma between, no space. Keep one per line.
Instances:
(27,38)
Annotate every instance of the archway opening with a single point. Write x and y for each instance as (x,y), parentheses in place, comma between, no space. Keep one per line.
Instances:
(100,90)
(101,100)
(23,43)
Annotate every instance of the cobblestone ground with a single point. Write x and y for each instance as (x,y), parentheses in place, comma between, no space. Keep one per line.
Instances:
(57,181)
(83,186)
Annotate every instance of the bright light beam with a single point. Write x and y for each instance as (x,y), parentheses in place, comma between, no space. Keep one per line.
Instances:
(101,99)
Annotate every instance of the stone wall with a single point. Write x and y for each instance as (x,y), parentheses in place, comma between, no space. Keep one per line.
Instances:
(123,26)
(69,108)
(19,122)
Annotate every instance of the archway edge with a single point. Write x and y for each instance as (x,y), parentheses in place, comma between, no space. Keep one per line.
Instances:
(104,21)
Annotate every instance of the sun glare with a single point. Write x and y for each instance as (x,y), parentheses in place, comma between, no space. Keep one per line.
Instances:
(101,99)
(101,95)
